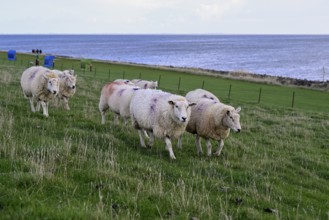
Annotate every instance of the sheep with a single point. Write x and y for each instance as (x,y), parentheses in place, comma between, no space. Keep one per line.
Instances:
(162,114)
(145,84)
(197,94)
(125,81)
(40,84)
(67,87)
(116,96)
(212,120)
(194,96)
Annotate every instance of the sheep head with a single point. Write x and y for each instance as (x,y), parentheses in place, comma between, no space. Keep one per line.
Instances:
(232,119)
(181,110)
(52,82)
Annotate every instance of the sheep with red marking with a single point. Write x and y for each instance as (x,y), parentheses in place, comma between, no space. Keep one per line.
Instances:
(162,114)
(144,84)
(116,96)
(213,120)
(39,84)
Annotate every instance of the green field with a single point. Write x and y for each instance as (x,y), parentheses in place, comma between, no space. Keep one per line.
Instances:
(69,166)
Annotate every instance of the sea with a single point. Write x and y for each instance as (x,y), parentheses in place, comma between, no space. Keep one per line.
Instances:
(294,56)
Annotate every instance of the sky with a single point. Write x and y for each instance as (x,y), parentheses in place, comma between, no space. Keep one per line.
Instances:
(164,17)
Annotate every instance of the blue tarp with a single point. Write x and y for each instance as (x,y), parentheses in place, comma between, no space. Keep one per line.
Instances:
(49,61)
(11,54)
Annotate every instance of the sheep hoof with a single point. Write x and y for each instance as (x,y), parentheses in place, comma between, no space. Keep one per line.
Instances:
(172,157)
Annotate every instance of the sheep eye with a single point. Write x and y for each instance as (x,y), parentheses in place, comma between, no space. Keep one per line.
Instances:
(232,118)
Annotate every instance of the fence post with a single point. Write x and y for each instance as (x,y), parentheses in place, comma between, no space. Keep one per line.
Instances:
(109,74)
(259,95)
(123,75)
(95,72)
(159,80)
(229,91)
(202,84)
(179,83)
(293,99)
(140,75)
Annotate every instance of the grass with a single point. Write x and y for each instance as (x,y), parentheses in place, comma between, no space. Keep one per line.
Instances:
(69,166)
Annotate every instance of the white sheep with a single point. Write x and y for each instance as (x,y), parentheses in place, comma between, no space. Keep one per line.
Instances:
(125,81)
(193,97)
(212,120)
(67,86)
(40,84)
(144,84)
(197,94)
(163,115)
(116,96)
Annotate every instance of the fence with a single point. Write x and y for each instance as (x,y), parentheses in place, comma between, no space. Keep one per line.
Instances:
(228,90)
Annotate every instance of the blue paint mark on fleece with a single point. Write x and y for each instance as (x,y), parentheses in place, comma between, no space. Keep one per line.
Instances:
(121,92)
(33,74)
(153,105)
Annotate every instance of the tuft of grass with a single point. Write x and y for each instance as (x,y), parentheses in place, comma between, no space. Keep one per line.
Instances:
(69,166)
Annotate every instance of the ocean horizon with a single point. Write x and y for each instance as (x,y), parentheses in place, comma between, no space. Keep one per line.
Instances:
(294,56)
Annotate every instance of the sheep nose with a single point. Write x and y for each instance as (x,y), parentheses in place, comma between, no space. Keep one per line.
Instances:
(183,119)
(54,92)
(73,87)
(239,130)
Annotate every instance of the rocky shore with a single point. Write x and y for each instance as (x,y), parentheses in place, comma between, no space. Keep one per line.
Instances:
(262,78)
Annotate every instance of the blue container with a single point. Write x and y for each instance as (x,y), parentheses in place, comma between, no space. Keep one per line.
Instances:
(49,61)
(11,54)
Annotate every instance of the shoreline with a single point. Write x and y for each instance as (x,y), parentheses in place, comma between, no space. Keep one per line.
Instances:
(238,75)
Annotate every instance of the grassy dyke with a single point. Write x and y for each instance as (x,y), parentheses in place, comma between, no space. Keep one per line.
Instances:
(69,166)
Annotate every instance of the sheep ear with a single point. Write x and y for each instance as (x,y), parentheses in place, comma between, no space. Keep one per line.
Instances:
(171,102)
(191,104)
(238,109)
(45,76)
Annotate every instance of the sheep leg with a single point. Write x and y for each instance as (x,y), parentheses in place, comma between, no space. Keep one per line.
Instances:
(146,134)
(56,102)
(38,106)
(169,148)
(66,103)
(179,142)
(198,144)
(32,104)
(125,121)
(208,144)
(141,138)
(103,108)
(103,116)
(220,147)
(45,108)
(151,139)
(116,119)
